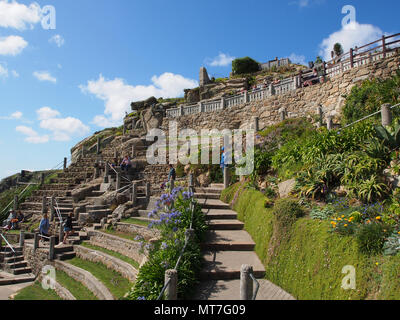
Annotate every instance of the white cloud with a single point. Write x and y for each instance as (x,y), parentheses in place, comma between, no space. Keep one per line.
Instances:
(3,71)
(14,116)
(58,40)
(118,95)
(298,59)
(306,3)
(15,74)
(47,113)
(18,16)
(12,45)
(351,35)
(222,60)
(32,136)
(44,76)
(63,129)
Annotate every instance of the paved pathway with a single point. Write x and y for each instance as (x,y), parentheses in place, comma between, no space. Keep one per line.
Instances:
(8,290)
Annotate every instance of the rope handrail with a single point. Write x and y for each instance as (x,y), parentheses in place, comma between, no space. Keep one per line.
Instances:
(118,173)
(19,195)
(257,286)
(367,117)
(56,207)
(8,244)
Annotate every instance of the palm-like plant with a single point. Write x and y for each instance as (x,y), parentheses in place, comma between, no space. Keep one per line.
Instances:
(389,139)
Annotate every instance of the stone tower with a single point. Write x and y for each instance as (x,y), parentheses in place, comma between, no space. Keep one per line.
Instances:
(204,79)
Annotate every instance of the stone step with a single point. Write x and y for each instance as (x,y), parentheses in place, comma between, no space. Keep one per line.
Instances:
(214,196)
(97,226)
(97,193)
(226,265)
(224,240)
(63,249)
(219,214)
(213,204)
(207,190)
(219,186)
(225,225)
(65,256)
(17,265)
(96,207)
(12,259)
(17,279)
(23,270)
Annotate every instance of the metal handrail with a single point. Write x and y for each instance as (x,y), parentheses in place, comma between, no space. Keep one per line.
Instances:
(257,286)
(19,195)
(8,244)
(118,173)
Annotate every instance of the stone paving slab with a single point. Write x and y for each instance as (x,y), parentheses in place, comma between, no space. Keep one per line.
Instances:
(230,290)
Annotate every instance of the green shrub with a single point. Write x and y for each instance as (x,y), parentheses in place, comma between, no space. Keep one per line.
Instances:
(371,238)
(366,99)
(392,245)
(245,65)
(287,211)
(322,213)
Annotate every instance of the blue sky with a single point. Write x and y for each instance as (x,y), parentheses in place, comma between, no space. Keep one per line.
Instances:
(60,85)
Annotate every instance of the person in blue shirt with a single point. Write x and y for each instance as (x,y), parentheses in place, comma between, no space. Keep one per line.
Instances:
(172,173)
(44,226)
(223,165)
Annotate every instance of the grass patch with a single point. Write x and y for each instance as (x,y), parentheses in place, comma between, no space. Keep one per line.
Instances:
(123,235)
(78,290)
(35,292)
(307,260)
(136,221)
(113,280)
(132,262)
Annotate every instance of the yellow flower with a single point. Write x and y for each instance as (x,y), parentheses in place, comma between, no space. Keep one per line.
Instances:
(377,263)
(345,225)
(343,216)
(340,219)
(378,218)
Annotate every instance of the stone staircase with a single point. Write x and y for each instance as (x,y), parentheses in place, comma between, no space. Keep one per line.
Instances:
(15,264)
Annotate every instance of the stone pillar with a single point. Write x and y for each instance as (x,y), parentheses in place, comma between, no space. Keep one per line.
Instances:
(282,114)
(83,151)
(271,89)
(134,193)
(191,182)
(42,178)
(246,97)
(226,177)
(106,172)
(222,103)
(96,172)
(201,107)
(61,234)
(384,46)
(181,111)
(21,239)
(133,124)
(386,114)
(256,124)
(36,241)
(98,145)
(351,58)
(52,248)
(44,205)
(52,208)
(65,164)
(118,182)
(148,191)
(171,293)
(116,154)
(246,283)
(329,123)
(16,200)
(124,130)
(320,115)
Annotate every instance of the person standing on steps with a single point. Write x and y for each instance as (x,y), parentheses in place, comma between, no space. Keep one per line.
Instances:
(44,227)
(172,173)
(68,229)
(222,164)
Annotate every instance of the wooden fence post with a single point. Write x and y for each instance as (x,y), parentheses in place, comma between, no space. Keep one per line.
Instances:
(386,114)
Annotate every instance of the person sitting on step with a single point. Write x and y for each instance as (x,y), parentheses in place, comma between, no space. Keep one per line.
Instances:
(126,164)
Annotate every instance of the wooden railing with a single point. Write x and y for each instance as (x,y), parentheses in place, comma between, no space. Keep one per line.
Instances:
(382,48)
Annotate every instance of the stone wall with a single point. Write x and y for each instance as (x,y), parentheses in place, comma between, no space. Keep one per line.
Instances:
(145,232)
(125,247)
(37,259)
(298,103)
